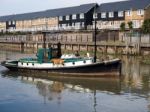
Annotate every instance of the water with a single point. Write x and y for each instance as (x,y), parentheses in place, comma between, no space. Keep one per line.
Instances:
(21,92)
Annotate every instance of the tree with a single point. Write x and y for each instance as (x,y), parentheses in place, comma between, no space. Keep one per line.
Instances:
(146,27)
(130,25)
(122,28)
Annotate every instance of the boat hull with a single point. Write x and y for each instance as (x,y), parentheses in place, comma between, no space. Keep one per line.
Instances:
(109,68)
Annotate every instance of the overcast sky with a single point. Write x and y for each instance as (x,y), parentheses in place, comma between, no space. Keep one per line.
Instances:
(8,7)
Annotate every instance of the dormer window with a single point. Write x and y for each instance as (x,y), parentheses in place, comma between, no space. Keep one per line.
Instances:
(120,14)
(67,17)
(60,18)
(103,15)
(82,16)
(129,12)
(111,14)
(140,12)
(74,16)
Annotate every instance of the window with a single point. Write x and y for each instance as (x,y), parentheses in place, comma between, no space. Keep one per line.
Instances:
(103,15)
(111,23)
(129,12)
(74,16)
(73,24)
(95,16)
(140,12)
(9,23)
(82,16)
(111,14)
(13,23)
(63,25)
(67,17)
(60,18)
(82,24)
(77,24)
(120,14)
(137,23)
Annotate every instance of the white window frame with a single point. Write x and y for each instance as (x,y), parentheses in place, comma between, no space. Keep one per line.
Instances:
(9,23)
(67,17)
(129,12)
(103,15)
(120,14)
(13,22)
(82,16)
(83,24)
(111,14)
(74,16)
(73,24)
(140,12)
(64,25)
(77,24)
(95,15)
(60,18)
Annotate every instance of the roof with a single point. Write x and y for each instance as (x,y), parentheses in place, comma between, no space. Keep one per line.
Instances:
(123,5)
(50,13)
(71,10)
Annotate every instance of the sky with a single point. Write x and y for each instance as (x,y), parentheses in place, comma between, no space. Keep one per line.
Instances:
(8,7)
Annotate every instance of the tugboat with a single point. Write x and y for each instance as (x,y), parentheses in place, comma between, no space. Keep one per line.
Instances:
(51,61)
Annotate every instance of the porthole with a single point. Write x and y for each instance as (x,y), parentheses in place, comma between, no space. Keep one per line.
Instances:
(22,63)
(84,61)
(27,63)
(32,64)
(73,63)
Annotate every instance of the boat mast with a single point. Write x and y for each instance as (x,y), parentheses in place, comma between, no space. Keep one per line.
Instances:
(44,40)
(44,45)
(44,34)
(95,46)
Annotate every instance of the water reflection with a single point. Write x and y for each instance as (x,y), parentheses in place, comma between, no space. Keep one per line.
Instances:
(51,88)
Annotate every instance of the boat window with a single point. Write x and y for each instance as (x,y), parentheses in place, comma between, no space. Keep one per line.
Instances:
(73,63)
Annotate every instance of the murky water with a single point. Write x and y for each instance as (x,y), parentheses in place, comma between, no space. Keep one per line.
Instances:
(40,93)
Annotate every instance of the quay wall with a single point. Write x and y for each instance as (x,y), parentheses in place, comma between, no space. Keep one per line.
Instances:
(111,43)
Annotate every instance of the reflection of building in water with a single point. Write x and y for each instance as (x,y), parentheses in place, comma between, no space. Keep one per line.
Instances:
(132,72)
(55,88)
(50,91)
(77,88)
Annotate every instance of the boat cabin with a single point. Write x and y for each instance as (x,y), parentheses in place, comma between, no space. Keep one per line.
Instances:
(45,55)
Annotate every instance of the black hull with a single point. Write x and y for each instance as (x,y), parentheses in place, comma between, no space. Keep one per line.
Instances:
(112,68)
